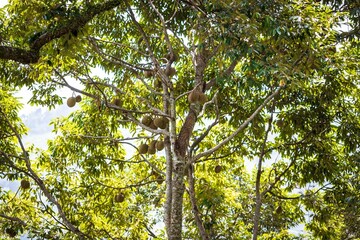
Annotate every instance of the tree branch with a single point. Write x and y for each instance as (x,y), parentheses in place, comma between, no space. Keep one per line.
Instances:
(278,178)
(242,126)
(227,73)
(73,24)
(41,184)
(258,201)
(194,206)
(14,219)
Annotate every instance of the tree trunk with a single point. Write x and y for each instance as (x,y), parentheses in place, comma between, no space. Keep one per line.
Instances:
(180,154)
(177,200)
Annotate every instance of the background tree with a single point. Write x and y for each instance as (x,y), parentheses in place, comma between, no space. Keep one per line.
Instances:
(190,90)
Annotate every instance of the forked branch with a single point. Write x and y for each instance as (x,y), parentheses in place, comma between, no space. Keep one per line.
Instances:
(242,127)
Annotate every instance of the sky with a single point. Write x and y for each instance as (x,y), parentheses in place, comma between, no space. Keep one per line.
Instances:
(3,3)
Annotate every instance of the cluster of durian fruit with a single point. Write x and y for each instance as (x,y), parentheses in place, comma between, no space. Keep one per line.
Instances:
(71,101)
(154,123)
(168,72)
(196,96)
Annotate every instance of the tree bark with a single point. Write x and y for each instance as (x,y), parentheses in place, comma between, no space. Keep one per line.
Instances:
(181,148)
(178,189)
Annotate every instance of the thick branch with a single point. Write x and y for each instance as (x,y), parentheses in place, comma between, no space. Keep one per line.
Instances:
(182,143)
(14,219)
(19,55)
(74,24)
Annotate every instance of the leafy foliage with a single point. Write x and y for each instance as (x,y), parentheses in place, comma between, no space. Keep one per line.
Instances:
(279,88)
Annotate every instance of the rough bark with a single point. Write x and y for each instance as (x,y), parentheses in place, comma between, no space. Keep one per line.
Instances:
(180,154)
(19,55)
(169,108)
(178,189)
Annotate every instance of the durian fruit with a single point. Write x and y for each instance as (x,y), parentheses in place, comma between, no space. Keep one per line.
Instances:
(202,98)
(193,97)
(170,71)
(218,168)
(280,123)
(160,179)
(120,197)
(152,148)
(116,101)
(143,148)
(196,96)
(11,232)
(146,120)
(25,184)
(154,173)
(160,145)
(148,73)
(161,122)
(152,125)
(71,101)
(78,98)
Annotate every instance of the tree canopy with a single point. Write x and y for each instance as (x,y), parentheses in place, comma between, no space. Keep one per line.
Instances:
(188,95)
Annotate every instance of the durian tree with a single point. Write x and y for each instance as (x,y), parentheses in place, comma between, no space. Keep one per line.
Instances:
(176,97)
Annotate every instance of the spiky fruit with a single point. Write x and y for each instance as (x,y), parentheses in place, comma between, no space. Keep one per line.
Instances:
(280,123)
(78,98)
(160,145)
(71,101)
(146,120)
(116,101)
(11,232)
(194,96)
(119,197)
(152,148)
(25,184)
(170,71)
(159,179)
(161,122)
(279,210)
(202,98)
(154,173)
(148,74)
(152,125)
(143,148)
(218,168)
